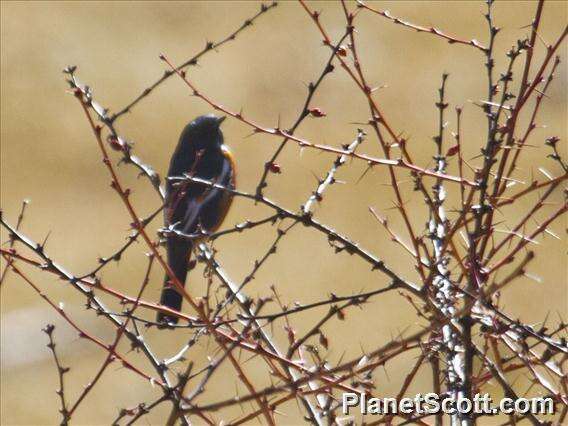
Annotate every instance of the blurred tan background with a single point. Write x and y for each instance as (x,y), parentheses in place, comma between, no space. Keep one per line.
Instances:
(49,156)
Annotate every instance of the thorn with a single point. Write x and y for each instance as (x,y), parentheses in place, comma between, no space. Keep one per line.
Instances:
(42,245)
(369,167)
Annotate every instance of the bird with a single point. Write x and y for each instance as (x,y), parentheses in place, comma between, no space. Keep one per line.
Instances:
(190,207)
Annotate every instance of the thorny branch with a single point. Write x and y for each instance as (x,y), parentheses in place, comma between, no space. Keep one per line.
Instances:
(461,320)
(61,371)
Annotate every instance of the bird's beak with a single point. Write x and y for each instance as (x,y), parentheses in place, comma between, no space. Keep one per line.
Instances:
(221,119)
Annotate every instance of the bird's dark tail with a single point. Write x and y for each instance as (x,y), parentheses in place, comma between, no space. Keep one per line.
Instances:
(179,252)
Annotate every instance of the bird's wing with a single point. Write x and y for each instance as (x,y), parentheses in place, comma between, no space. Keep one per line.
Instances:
(207,208)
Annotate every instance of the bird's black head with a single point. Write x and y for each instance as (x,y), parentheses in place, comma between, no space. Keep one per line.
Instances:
(204,132)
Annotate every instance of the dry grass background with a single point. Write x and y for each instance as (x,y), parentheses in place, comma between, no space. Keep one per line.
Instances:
(49,156)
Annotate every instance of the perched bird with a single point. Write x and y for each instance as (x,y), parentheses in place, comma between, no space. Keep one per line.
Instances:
(192,207)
